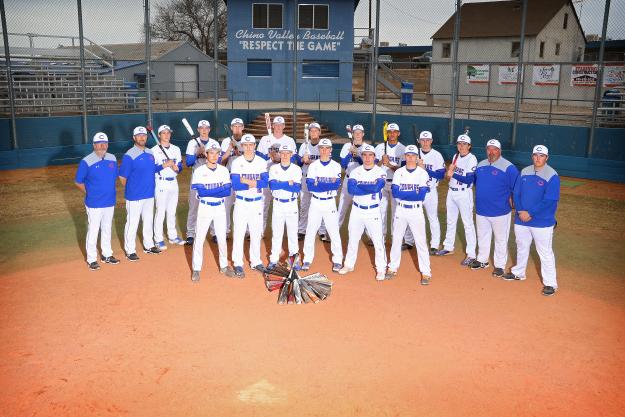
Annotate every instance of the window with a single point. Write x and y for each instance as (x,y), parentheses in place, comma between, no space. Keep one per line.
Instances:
(266,16)
(542,50)
(140,80)
(313,16)
(557,49)
(446,50)
(515,50)
(566,21)
(259,67)
(320,69)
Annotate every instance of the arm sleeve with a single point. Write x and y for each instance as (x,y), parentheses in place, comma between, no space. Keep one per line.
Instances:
(276,185)
(360,189)
(124,170)
(262,155)
(513,173)
(263,182)
(179,167)
(81,173)
(322,186)
(345,160)
(236,183)
(552,195)
(516,196)
(189,160)
(465,179)
(297,160)
(409,195)
(438,174)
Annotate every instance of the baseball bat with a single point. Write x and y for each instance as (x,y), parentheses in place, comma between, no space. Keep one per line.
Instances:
(268,123)
(187,126)
(306,138)
(416,139)
(227,130)
(385,137)
(151,130)
(348,128)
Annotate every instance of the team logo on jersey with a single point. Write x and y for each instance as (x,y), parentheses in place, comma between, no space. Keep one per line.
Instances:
(541,183)
(111,165)
(495,172)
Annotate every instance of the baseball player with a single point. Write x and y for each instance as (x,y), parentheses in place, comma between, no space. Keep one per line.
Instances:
(495,177)
(212,183)
(365,184)
(461,175)
(411,184)
(166,193)
(195,156)
(285,183)
(96,176)
(249,177)
(309,153)
(323,180)
(432,161)
(390,155)
(267,148)
(137,175)
(350,160)
(536,196)
(230,149)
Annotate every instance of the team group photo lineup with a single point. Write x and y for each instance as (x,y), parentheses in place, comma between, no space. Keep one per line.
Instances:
(244,189)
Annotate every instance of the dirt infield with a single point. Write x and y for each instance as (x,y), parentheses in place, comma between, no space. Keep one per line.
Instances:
(139,339)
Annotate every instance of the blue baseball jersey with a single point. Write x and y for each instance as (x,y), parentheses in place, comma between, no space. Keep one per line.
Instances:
(99,176)
(494,185)
(538,193)
(138,167)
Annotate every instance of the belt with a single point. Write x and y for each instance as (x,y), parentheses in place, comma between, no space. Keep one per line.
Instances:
(459,189)
(367,207)
(389,180)
(409,206)
(321,198)
(210,203)
(167,179)
(285,200)
(249,199)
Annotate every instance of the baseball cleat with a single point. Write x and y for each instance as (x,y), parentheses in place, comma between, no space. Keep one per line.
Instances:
(195,276)
(161,245)
(227,271)
(94,266)
(260,268)
(478,265)
(177,241)
(548,291)
(110,260)
(433,251)
(345,270)
(152,251)
(270,265)
(189,241)
(467,261)
(238,272)
(336,267)
(305,266)
(498,272)
(380,276)
(511,277)
(406,246)
(132,257)
(390,274)
(444,252)
(425,279)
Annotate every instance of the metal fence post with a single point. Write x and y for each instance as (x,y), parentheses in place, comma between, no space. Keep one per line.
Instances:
(81,40)
(597,100)
(296,41)
(520,76)
(148,61)
(454,70)
(215,68)
(7,57)
(374,89)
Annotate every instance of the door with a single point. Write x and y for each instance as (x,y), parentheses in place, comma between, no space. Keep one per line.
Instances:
(185,77)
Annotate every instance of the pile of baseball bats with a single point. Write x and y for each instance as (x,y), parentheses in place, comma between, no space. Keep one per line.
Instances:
(293,289)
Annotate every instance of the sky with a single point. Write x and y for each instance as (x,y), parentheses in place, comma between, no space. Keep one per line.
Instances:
(117,21)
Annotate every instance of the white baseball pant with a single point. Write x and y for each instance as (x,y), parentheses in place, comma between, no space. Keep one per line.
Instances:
(267,204)
(345,202)
(99,220)
(166,200)
(486,227)
(386,197)
(431,210)
(207,215)
(460,202)
(192,215)
(323,211)
(247,214)
(304,207)
(359,221)
(284,213)
(409,216)
(228,204)
(543,238)
(138,210)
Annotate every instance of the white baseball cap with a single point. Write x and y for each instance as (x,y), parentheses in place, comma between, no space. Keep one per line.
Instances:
(314,125)
(285,148)
(236,121)
(392,126)
(358,127)
(100,137)
(493,142)
(325,142)
(139,130)
(463,138)
(248,138)
(203,123)
(278,120)
(542,149)
(164,127)
(212,146)
(425,135)
(412,149)
(367,148)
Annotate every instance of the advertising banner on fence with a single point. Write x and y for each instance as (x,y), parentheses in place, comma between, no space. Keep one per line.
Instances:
(614,76)
(478,74)
(584,75)
(507,74)
(546,75)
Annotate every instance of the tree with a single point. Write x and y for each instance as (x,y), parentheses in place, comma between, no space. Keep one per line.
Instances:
(190,20)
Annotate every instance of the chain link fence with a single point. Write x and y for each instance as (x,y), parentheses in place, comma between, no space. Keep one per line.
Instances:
(525,61)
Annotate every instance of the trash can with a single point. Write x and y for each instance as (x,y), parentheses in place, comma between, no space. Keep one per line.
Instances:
(406,93)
